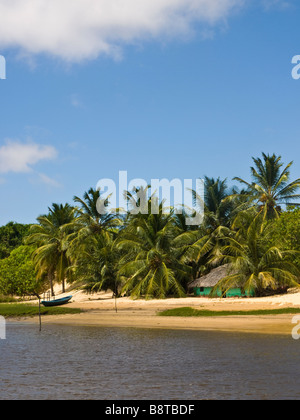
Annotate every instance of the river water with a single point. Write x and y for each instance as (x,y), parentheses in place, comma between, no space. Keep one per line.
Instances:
(64,362)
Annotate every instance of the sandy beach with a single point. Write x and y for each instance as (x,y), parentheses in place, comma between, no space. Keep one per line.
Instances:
(99,310)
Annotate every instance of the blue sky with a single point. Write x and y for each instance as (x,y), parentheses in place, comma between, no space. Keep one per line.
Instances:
(159,102)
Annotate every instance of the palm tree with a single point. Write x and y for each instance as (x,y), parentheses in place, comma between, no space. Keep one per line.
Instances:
(89,215)
(271,187)
(61,214)
(194,247)
(150,264)
(90,223)
(255,261)
(95,262)
(50,236)
(220,205)
(218,208)
(138,201)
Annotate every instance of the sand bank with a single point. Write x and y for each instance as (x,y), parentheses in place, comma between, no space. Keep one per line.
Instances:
(271,324)
(99,310)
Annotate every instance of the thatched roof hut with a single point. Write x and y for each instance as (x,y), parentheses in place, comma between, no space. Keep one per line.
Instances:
(211,279)
(205,284)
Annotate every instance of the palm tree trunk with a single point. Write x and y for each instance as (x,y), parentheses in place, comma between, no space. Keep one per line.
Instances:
(116,295)
(50,278)
(40,319)
(61,271)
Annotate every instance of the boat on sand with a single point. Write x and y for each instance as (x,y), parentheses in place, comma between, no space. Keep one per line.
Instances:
(57,302)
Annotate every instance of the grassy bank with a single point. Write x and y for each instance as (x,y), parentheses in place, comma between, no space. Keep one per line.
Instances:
(15,310)
(189,312)
(7,299)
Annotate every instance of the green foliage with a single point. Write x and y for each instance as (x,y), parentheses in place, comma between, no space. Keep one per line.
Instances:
(152,264)
(286,231)
(17,273)
(271,187)
(7,299)
(255,261)
(95,261)
(11,237)
(92,245)
(89,217)
(218,207)
(49,237)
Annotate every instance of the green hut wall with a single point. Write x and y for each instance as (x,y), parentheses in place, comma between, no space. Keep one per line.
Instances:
(234,292)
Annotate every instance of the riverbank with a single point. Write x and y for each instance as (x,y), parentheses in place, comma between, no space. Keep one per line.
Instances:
(269,324)
(100,310)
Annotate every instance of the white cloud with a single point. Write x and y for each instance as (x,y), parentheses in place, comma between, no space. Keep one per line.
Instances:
(19,157)
(45,179)
(75,30)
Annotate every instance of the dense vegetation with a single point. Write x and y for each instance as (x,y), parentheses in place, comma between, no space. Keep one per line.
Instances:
(255,230)
(11,236)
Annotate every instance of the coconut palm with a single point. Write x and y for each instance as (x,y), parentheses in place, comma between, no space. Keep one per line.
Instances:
(90,223)
(89,215)
(61,214)
(95,262)
(138,200)
(194,247)
(219,203)
(218,209)
(150,264)
(271,188)
(255,261)
(50,236)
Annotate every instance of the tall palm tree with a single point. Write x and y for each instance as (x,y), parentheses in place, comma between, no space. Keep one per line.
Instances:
(61,214)
(138,201)
(218,209)
(220,204)
(271,188)
(95,262)
(194,247)
(50,236)
(255,261)
(89,218)
(150,265)
(91,233)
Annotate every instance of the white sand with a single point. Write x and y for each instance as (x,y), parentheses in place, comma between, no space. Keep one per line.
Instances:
(99,310)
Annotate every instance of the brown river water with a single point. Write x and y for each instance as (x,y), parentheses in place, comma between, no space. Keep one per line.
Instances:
(81,363)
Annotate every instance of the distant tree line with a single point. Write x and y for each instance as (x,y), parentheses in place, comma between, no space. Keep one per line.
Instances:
(255,230)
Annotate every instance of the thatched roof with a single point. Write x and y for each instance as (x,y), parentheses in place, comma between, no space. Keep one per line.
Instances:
(212,278)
